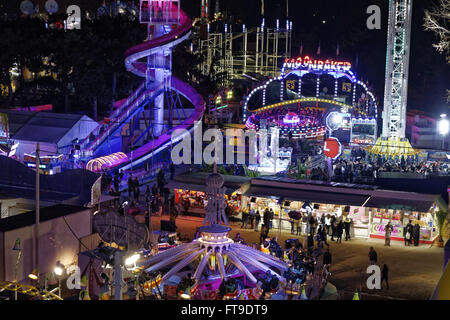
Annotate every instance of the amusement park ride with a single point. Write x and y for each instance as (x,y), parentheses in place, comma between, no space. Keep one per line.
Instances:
(167,27)
(214,257)
(393,141)
(298,101)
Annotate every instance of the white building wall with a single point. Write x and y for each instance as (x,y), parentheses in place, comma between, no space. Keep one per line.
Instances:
(56,242)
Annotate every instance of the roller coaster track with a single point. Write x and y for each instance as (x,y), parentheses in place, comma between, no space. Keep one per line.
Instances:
(147,91)
(28,290)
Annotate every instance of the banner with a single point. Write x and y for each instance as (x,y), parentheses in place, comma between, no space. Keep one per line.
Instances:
(96,191)
(378,229)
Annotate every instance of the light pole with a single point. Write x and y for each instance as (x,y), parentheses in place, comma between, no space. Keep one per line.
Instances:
(19,255)
(443,128)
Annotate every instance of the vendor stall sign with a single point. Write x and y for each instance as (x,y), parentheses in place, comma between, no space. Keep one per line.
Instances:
(378,229)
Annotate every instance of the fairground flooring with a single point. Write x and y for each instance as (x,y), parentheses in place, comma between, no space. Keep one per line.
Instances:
(413,271)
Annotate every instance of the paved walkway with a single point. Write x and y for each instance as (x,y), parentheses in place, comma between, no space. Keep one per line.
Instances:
(413,271)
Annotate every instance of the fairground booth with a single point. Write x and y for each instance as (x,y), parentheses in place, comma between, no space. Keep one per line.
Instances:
(369,207)
(190,192)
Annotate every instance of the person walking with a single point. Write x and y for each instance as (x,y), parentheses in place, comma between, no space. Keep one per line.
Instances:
(384,276)
(347,225)
(257,219)
(416,234)
(373,257)
(408,232)
(339,232)
(323,236)
(387,234)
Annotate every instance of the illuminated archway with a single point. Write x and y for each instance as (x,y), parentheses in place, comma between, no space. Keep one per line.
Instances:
(96,165)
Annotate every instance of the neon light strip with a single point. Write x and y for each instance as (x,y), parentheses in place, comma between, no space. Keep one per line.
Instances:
(279,104)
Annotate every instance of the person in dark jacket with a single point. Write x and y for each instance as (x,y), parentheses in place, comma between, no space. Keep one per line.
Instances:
(347,224)
(408,233)
(333,227)
(264,233)
(130,186)
(245,215)
(327,259)
(384,276)
(339,231)
(257,219)
(416,234)
(373,257)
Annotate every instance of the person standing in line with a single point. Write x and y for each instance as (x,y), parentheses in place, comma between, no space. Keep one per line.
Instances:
(257,219)
(387,234)
(373,257)
(384,276)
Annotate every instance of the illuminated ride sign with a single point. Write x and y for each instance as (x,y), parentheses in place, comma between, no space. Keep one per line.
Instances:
(316,65)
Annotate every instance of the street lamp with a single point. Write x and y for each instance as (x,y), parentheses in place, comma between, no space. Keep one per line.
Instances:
(130,262)
(59,269)
(443,128)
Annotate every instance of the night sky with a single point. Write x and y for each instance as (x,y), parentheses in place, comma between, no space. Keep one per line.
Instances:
(345,23)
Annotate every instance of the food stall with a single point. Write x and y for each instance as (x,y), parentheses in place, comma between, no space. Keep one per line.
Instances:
(399,219)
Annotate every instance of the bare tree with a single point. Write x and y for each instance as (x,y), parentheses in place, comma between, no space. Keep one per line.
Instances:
(436,20)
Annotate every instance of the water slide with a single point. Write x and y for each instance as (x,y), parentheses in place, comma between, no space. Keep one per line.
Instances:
(147,91)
